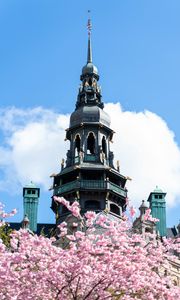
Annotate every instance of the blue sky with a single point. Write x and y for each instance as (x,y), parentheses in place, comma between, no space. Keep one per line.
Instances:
(136,47)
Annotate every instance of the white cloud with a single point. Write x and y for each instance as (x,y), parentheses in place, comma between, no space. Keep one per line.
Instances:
(147,152)
(34,143)
(33,146)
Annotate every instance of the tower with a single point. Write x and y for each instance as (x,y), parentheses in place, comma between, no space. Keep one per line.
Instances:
(157,205)
(89,175)
(30,201)
(141,224)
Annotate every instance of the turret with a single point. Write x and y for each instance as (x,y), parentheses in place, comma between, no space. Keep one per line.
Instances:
(141,224)
(157,204)
(89,175)
(30,201)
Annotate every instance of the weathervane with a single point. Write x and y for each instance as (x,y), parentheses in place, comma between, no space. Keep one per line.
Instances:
(89,25)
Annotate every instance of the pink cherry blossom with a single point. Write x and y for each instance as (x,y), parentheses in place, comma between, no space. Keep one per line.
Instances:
(132,211)
(94,263)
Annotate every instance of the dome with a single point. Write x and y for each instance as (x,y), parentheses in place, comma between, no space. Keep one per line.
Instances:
(157,190)
(89,68)
(89,114)
(31,185)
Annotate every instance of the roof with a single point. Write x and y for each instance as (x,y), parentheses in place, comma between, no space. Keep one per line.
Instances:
(89,114)
(172,232)
(158,190)
(31,185)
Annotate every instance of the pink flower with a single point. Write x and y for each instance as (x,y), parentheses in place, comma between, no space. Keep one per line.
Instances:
(75,211)
(90,215)
(147,214)
(132,211)
(62,201)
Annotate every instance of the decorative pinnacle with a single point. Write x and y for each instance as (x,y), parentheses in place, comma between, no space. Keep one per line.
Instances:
(89,27)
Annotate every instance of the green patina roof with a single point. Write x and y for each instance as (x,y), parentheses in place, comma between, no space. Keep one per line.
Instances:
(157,190)
(31,185)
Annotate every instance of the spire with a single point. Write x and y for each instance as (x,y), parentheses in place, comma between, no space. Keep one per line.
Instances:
(89,54)
(89,69)
(89,90)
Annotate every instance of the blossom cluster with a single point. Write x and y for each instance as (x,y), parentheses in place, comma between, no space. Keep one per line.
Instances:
(97,265)
(4,215)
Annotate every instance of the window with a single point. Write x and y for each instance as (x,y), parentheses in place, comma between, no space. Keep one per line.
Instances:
(33,192)
(92,204)
(158,196)
(28,192)
(148,230)
(115,209)
(91,144)
(77,144)
(104,147)
(90,81)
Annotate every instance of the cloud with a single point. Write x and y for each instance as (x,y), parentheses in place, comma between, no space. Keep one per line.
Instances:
(33,145)
(147,152)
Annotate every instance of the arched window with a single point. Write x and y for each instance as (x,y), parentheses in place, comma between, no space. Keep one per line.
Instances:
(77,144)
(91,144)
(92,205)
(104,146)
(115,209)
(90,81)
(148,230)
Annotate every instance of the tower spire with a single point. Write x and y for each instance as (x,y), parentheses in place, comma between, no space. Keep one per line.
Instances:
(89,27)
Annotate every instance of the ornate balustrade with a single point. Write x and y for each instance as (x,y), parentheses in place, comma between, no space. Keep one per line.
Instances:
(90,157)
(89,185)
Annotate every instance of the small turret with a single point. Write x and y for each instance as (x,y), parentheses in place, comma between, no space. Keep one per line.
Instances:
(30,200)
(142,225)
(143,209)
(25,222)
(157,204)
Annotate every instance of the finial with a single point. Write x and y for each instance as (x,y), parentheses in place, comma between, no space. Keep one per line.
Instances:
(118,166)
(89,27)
(62,164)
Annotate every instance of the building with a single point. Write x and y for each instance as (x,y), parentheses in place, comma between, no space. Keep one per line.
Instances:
(31,196)
(89,175)
(158,209)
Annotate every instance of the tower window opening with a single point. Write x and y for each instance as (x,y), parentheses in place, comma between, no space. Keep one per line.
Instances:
(90,81)
(148,230)
(115,209)
(92,204)
(158,196)
(104,146)
(77,144)
(91,144)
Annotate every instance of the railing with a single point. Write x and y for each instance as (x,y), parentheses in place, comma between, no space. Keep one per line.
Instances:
(89,185)
(67,187)
(89,157)
(93,184)
(117,189)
